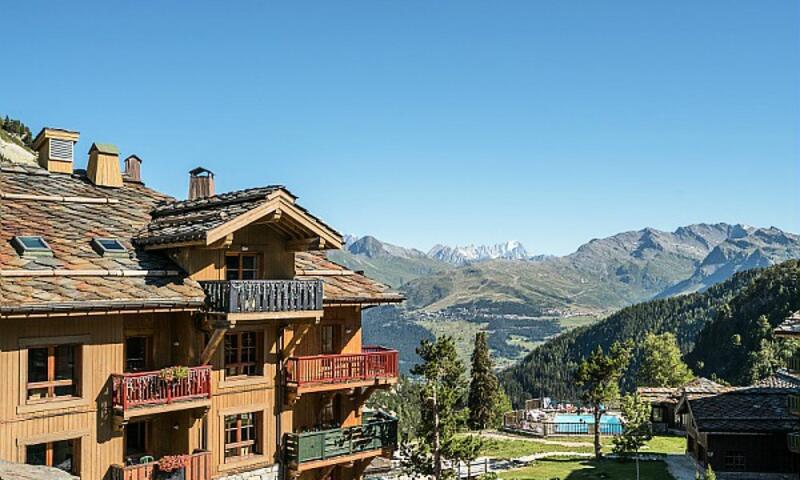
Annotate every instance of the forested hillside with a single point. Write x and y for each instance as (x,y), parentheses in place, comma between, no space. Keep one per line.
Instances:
(724,310)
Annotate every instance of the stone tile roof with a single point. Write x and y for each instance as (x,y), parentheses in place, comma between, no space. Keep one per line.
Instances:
(342,285)
(781,379)
(190,220)
(667,395)
(68,211)
(19,471)
(746,410)
(790,327)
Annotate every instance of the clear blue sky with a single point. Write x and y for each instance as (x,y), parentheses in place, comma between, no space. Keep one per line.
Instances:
(437,121)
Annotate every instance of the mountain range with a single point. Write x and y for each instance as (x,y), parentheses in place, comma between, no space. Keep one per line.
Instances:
(523,301)
(511,250)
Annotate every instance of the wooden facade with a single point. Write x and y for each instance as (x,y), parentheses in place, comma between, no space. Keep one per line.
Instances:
(132,400)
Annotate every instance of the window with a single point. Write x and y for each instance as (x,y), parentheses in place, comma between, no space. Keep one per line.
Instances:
(137,354)
(109,247)
(136,440)
(60,455)
(52,372)
(32,246)
(241,266)
(658,414)
(327,339)
(243,354)
(734,461)
(241,436)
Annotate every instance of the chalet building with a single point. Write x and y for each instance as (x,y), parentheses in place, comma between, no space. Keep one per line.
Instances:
(664,401)
(791,329)
(137,328)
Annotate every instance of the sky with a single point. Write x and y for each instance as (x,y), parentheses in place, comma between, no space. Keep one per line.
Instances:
(424,122)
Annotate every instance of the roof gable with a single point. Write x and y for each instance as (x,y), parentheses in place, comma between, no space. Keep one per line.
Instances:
(206,221)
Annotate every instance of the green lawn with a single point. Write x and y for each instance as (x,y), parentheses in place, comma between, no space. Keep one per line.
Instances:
(509,449)
(572,469)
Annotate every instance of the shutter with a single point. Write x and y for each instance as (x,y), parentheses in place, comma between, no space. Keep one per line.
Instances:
(60,149)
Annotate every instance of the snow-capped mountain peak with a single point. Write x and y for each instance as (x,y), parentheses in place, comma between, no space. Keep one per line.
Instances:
(511,250)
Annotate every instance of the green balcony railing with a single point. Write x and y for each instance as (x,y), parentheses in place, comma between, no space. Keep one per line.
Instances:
(794,404)
(794,442)
(378,432)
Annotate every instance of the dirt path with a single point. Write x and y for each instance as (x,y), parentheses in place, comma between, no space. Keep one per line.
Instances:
(509,436)
(681,467)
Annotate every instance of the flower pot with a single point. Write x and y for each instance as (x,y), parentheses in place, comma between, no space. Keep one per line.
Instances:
(178,474)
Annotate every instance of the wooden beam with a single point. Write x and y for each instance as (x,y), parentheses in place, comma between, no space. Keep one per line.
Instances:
(213,343)
(315,243)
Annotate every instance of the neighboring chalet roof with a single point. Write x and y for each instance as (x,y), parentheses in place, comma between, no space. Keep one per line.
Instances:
(672,395)
(69,211)
(782,379)
(790,327)
(745,410)
(208,220)
(342,285)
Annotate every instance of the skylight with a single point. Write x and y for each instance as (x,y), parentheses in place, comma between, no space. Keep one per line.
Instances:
(32,245)
(109,246)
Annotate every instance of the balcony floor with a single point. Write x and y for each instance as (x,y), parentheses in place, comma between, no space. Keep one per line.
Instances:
(315,464)
(344,385)
(156,409)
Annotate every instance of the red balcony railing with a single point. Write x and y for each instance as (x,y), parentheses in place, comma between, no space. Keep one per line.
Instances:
(131,390)
(198,468)
(372,363)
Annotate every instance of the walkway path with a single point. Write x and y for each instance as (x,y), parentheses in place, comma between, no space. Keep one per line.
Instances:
(681,467)
(509,436)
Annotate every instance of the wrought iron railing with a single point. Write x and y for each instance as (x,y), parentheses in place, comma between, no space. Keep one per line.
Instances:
(373,363)
(253,296)
(131,390)
(378,432)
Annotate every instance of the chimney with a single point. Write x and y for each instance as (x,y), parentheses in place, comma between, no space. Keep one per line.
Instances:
(201,183)
(103,169)
(55,147)
(133,169)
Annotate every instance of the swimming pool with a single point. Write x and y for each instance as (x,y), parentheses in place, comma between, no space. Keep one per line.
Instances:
(568,424)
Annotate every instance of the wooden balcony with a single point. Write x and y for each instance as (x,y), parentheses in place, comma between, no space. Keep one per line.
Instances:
(147,393)
(794,442)
(794,404)
(264,299)
(198,468)
(376,436)
(373,366)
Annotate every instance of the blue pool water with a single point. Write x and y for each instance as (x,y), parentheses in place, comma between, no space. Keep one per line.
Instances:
(568,423)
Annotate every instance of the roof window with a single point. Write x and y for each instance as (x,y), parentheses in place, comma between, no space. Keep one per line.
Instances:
(32,246)
(109,247)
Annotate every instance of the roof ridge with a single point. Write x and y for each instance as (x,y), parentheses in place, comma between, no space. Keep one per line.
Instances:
(222,199)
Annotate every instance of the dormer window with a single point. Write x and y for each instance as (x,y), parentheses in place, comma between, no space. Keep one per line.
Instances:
(32,246)
(109,247)
(61,149)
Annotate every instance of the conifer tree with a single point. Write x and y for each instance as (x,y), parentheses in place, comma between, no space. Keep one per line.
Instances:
(599,376)
(442,393)
(484,389)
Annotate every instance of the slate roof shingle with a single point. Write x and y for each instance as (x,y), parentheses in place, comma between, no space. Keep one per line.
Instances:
(790,327)
(342,285)
(68,224)
(746,410)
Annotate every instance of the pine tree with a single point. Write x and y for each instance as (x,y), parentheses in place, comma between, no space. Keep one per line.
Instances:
(484,389)
(442,395)
(599,376)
